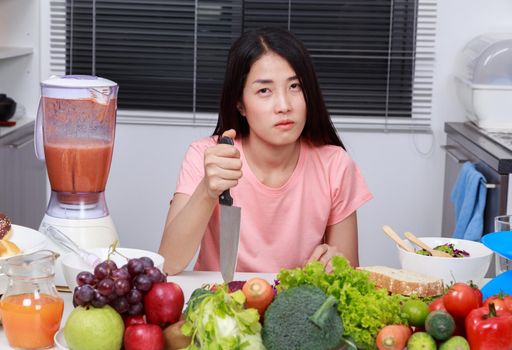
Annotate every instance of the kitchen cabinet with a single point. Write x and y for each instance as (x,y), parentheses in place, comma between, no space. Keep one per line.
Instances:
(22,178)
(23,183)
(20,55)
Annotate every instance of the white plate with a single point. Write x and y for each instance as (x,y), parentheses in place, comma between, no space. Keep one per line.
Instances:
(59,340)
(27,239)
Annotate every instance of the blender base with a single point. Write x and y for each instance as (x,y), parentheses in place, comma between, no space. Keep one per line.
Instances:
(87,233)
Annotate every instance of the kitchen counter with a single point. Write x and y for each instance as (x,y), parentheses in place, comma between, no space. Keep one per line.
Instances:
(482,144)
(20,124)
(187,280)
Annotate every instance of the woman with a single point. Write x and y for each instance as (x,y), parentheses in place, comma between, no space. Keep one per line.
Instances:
(288,169)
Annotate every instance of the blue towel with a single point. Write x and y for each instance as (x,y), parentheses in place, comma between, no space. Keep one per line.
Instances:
(468,197)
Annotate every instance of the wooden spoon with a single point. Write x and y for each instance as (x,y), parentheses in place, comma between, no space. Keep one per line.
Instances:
(423,245)
(392,234)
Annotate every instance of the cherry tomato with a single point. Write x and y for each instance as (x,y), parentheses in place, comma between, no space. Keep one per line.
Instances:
(258,293)
(437,304)
(460,300)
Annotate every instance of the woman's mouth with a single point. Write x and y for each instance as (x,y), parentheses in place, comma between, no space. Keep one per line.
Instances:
(284,124)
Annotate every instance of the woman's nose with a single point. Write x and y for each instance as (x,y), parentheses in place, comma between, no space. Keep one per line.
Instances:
(282,103)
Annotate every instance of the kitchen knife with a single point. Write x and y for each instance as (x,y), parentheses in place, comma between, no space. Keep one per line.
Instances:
(229,230)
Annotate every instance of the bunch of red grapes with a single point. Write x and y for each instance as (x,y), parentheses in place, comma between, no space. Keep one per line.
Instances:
(122,288)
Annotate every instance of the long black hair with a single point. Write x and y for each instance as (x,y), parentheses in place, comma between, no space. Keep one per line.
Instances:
(246,50)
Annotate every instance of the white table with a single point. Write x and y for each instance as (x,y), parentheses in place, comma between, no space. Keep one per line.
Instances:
(188,281)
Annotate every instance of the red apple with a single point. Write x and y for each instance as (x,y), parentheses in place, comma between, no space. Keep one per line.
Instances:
(131,320)
(163,303)
(143,337)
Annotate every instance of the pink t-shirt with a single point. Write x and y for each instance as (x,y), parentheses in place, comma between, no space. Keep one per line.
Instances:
(280,227)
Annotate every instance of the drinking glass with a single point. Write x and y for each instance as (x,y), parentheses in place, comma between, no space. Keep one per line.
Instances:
(502,223)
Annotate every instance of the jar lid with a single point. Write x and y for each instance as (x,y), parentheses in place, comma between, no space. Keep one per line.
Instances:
(77,81)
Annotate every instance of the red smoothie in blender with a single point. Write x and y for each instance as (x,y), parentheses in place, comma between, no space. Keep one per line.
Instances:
(78,158)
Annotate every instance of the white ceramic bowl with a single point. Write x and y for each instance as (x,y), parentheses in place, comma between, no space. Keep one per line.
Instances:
(72,264)
(472,268)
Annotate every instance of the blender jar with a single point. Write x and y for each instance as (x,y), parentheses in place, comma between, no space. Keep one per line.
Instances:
(31,308)
(77,119)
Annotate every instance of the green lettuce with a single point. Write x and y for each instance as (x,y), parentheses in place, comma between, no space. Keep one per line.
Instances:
(363,308)
(220,322)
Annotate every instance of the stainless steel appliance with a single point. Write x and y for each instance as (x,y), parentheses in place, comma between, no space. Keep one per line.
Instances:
(492,155)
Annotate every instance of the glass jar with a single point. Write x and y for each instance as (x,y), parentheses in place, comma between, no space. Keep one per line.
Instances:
(31,308)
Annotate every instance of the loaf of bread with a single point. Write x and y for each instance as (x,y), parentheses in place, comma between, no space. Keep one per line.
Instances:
(404,282)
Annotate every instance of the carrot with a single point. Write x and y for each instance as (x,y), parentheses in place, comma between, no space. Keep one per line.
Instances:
(393,337)
(258,294)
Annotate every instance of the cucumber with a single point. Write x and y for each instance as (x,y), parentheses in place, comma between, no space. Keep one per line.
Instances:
(440,325)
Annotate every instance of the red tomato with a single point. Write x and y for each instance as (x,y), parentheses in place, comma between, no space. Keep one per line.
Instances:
(478,293)
(501,301)
(498,301)
(460,300)
(508,302)
(437,304)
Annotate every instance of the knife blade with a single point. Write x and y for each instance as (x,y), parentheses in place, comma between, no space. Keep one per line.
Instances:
(229,230)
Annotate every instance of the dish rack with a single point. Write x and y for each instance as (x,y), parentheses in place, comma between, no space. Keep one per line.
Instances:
(484,80)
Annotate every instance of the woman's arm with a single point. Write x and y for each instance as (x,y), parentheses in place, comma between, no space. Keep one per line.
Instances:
(340,239)
(186,223)
(188,216)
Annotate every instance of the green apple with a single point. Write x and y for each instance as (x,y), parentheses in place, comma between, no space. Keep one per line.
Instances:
(94,328)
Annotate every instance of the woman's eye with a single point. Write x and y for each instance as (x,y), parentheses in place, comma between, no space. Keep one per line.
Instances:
(295,86)
(263,91)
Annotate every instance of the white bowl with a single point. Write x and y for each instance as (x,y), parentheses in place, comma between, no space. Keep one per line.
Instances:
(471,268)
(73,264)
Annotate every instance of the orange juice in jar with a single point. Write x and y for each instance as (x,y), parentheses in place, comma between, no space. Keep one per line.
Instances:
(31,320)
(31,308)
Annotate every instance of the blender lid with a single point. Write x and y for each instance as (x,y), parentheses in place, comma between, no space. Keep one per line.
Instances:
(77,81)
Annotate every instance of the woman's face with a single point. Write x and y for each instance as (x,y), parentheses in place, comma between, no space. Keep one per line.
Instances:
(272,101)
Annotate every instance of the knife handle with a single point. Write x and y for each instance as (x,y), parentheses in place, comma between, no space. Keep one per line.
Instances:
(225,197)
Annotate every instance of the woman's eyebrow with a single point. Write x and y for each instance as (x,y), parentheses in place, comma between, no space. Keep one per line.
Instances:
(268,81)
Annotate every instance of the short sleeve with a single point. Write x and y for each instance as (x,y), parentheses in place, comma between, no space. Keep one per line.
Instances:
(192,167)
(348,188)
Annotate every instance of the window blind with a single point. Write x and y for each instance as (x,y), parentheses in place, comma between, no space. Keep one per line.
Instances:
(374,58)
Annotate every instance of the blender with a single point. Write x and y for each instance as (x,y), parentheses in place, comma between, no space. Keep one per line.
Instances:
(74,135)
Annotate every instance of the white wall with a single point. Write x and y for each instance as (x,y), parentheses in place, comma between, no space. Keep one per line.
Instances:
(403,170)
(407,184)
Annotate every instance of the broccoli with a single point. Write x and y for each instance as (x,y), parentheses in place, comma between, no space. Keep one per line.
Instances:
(302,318)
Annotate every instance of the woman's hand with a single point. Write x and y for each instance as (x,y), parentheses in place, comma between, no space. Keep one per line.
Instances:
(222,167)
(324,254)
